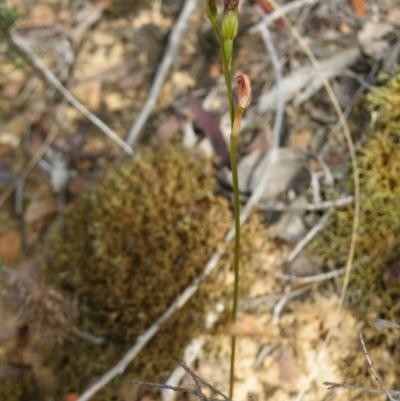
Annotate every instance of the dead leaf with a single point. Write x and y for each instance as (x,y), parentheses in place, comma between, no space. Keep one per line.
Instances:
(306,81)
(290,227)
(381,324)
(39,212)
(210,129)
(359,7)
(268,8)
(261,141)
(304,265)
(10,246)
(72,396)
(371,39)
(286,164)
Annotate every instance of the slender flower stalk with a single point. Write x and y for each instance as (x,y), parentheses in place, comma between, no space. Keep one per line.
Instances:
(243,102)
(226,35)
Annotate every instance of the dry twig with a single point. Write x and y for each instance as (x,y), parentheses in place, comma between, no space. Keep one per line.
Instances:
(309,237)
(281,11)
(197,391)
(162,71)
(377,378)
(391,394)
(311,279)
(32,162)
(281,304)
(282,207)
(23,49)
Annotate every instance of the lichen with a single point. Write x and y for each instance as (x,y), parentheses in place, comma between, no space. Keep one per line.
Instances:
(135,239)
(378,240)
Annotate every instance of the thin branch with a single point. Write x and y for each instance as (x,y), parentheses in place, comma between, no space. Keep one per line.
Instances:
(391,394)
(311,279)
(190,354)
(292,256)
(282,11)
(84,335)
(309,237)
(197,392)
(252,303)
(163,386)
(22,47)
(331,386)
(281,304)
(377,378)
(32,162)
(282,207)
(359,91)
(163,69)
(195,377)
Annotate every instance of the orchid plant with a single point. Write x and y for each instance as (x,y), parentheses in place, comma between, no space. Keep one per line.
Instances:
(226,32)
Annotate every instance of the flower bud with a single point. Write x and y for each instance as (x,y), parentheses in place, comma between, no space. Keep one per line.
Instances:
(231,5)
(212,11)
(244,91)
(230,24)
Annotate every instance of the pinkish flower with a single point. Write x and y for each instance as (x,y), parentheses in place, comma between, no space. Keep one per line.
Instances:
(244,91)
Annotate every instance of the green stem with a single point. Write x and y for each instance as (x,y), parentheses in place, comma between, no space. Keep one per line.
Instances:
(236,118)
(226,70)
(233,150)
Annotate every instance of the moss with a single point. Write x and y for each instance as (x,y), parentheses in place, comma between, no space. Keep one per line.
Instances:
(17,381)
(378,241)
(135,239)
(18,389)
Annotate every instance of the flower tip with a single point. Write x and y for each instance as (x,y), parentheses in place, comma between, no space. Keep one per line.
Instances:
(231,5)
(212,10)
(244,90)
